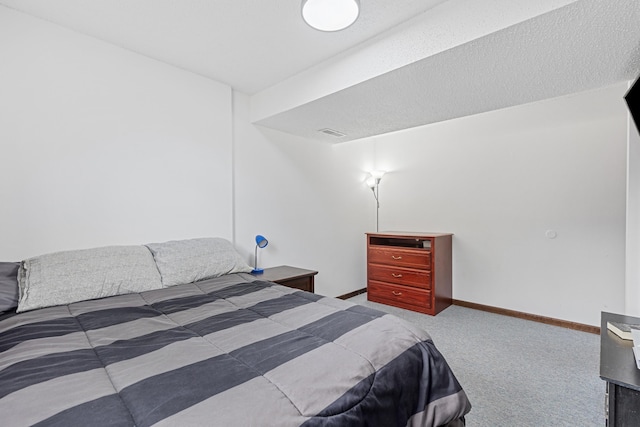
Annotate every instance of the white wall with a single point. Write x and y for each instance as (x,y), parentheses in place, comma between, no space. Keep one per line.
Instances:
(306,198)
(103,146)
(499,181)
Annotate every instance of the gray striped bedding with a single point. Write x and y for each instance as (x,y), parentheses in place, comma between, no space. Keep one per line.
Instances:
(229,351)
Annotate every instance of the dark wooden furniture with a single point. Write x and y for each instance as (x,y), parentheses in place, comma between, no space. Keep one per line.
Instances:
(292,277)
(410,270)
(618,368)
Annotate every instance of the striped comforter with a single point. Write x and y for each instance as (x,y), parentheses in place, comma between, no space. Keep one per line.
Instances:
(221,352)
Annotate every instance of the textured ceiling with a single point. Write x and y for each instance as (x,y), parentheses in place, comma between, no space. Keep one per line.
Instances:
(585,45)
(256,45)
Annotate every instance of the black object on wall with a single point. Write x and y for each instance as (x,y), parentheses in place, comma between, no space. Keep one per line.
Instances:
(633,102)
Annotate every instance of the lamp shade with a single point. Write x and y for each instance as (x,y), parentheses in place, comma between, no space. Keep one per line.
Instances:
(371,182)
(261,241)
(374,178)
(330,15)
(377,174)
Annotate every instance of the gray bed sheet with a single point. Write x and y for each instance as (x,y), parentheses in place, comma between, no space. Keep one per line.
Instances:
(227,351)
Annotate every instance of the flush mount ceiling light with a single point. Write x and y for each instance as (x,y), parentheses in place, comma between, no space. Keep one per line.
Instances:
(330,15)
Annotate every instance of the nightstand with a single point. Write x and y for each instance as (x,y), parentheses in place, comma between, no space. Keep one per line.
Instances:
(292,277)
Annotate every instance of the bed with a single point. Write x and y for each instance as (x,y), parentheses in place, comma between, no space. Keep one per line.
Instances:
(90,348)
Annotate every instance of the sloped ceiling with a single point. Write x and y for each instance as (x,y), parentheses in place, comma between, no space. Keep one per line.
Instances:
(450,58)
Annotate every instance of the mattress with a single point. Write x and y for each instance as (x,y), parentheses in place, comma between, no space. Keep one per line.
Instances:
(226,351)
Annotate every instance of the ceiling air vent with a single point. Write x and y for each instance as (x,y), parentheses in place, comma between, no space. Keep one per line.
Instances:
(332,132)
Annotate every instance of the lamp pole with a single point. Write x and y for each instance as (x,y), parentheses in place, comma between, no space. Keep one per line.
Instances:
(375,189)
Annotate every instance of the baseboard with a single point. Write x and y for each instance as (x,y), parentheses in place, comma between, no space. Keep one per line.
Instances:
(506,312)
(353,294)
(534,317)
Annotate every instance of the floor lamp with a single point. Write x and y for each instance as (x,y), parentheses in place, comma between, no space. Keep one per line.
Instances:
(374,183)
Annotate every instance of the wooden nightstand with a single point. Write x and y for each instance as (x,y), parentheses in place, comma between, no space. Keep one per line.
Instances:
(292,277)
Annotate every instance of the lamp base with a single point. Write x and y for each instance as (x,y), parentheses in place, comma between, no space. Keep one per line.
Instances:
(257,271)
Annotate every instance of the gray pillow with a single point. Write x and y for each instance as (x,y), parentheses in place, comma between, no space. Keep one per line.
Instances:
(65,277)
(186,261)
(8,286)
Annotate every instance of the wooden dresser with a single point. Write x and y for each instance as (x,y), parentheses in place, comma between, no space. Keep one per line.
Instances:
(410,270)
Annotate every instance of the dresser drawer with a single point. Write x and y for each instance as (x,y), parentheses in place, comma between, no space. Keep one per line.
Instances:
(398,295)
(399,275)
(401,257)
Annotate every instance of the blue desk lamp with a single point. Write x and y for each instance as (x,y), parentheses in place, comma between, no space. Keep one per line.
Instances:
(261,242)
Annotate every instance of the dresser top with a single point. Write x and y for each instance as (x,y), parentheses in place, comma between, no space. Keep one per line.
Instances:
(617,364)
(408,234)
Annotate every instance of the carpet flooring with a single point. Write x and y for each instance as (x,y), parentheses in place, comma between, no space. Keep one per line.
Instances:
(516,372)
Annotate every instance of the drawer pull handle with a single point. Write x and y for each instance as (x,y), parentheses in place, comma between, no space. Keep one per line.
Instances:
(397,276)
(396,257)
(396,293)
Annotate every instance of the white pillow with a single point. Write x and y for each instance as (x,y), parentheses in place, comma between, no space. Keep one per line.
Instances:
(186,261)
(65,277)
